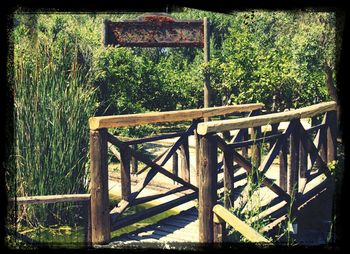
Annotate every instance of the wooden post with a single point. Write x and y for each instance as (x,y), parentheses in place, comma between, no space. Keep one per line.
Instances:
(331,135)
(207,193)
(293,170)
(87,226)
(283,167)
(175,165)
(219,229)
(134,163)
(185,160)
(274,130)
(206,50)
(245,137)
(100,220)
(302,165)
(322,137)
(256,156)
(228,179)
(125,180)
(197,143)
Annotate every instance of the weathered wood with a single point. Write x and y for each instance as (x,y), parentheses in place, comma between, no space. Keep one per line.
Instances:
(249,233)
(207,195)
(99,122)
(155,160)
(185,160)
(245,144)
(293,170)
(206,53)
(303,155)
(331,136)
(155,138)
(142,200)
(283,167)
(125,180)
(281,141)
(141,157)
(87,226)
(274,130)
(256,148)
(197,144)
(134,163)
(152,211)
(175,164)
(51,199)
(250,122)
(245,137)
(228,179)
(99,187)
(115,152)
(265,181)
(219,229)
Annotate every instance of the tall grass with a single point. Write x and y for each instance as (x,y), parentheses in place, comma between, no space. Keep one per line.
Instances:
(53,101)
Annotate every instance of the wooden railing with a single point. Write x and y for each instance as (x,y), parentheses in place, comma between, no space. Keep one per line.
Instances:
(80,198)
(103,220)
(308,159)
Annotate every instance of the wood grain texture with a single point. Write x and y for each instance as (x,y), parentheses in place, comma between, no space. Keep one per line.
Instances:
(99,122)
(240,226)
(51,199)
(249,122)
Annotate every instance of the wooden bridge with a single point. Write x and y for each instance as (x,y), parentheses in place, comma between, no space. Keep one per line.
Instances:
(229,161)
(303,172)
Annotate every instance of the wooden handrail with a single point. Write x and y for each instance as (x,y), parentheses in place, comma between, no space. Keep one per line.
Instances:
(239,225)
(51,199)
(99,122)
(226,125)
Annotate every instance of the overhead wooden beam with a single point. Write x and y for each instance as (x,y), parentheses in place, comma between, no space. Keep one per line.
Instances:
(99,122)
(249,122)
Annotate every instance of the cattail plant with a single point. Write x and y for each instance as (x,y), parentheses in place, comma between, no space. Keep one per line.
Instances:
(53,101)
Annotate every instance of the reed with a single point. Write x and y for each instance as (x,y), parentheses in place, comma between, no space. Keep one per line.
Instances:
(53,101)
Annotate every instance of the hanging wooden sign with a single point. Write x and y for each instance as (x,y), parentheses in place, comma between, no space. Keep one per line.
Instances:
(154,31)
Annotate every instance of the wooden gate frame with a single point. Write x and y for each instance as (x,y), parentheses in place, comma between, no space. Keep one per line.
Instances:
(161,30)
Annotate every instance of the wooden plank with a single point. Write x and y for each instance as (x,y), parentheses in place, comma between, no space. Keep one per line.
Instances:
(51,199)
(128,220)
(100,220)
(240,226)
(225,125)
(207,195)
(125,177)
(99,122)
